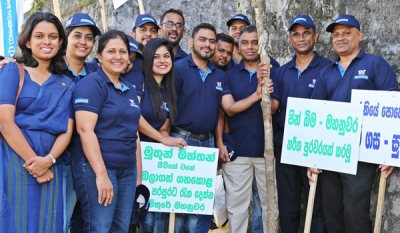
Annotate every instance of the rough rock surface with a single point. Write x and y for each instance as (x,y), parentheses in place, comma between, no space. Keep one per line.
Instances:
(379,19)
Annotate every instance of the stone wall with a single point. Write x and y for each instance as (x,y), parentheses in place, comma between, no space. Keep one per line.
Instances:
(379,19)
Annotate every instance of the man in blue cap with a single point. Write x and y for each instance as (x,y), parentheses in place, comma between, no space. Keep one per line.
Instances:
(144,29)
(346,198)
(295,79)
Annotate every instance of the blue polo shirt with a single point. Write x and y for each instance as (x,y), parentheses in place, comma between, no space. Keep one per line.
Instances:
(137,65)
(118,113)
(234,63)
(147,112)
(135,77)
(87,69)
(246,128)
(179,54)
(365,72)
(199,101)
(289,81)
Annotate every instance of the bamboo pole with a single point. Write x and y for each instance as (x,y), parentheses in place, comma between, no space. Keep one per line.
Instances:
(272,204)
(56,7)
(381,201)
(310,205)
(103,15)
(141,7)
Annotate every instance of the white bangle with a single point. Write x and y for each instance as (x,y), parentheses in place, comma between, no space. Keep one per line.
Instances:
(53,160)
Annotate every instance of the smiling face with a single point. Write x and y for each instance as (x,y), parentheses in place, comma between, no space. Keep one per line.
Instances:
(173,34)
(144,33)
(114,57)
(203,44)
(248,46)
(162,63)
(346,40)
(303,39)
(44,41)
(234,29)
(223,54)
(80,42)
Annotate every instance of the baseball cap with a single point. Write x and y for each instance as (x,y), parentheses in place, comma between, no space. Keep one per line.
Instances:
(143,19)
(303,20)
(228,143)
(141,205)
(346,20)
(238,17)
(82,19)
(133,46)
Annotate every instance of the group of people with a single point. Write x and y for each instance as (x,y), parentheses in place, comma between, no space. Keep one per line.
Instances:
(70,153)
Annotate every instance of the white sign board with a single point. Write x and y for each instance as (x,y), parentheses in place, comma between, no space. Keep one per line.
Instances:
(180,180)
(380,140)
(322,134)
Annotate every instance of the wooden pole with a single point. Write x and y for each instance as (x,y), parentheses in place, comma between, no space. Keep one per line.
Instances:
(381,200)
(103,15)
(171,223)
(310,205)
(272,204)
(141,7)
(56,7)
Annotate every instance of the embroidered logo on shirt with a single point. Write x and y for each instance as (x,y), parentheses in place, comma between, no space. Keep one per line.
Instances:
(164,106)
(132,102)
(63,84)
(313,81)
(219,86)
(81,101)
(311,85)
(361,75)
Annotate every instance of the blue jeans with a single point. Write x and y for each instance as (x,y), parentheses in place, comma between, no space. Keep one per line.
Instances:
(257,226)
(190,223)
(155,222)
(99,218)
(69,196)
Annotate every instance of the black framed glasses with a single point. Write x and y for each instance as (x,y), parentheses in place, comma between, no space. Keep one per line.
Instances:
(170,24)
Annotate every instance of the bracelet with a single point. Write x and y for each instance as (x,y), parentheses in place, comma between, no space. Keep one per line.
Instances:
(98,178)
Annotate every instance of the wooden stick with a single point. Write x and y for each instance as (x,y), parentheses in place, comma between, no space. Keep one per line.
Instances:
(141,7)
(381,200)
(56,7)
(310,205)
(171,223)
(103,15)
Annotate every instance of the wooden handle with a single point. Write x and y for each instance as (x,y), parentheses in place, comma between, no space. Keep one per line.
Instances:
(310,205)
(171,227)
(381,200)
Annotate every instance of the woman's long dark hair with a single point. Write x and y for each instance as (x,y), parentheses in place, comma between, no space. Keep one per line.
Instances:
(168,82)
(57,63)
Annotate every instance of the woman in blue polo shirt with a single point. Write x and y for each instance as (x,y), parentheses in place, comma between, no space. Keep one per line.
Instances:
(106,160)
(36,127)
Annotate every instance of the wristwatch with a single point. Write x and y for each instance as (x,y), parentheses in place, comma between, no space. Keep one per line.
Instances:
(53,160)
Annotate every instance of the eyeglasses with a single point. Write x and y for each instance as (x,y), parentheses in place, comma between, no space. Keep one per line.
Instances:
(170,24)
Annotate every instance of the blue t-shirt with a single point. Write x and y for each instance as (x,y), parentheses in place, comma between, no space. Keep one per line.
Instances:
(148,114)
(247,127)
(135,77)
(180,54)
(365,72)
(289,81)
(118,113)
(87,69)
(199,101)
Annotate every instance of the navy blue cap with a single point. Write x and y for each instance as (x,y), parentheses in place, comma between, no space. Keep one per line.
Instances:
(82,19)
(143,19)
(303,20)
(238,17)
(140,212)
(133,46)
(228,143)
(346,20)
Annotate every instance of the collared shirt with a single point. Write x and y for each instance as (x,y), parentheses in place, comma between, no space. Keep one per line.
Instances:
(198,102)
(204,75)
(234,63)
(247,127)
(179,54)
(147,112)
(289,82)
(118,113)
(365,72)
(87,69)
(135,77)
